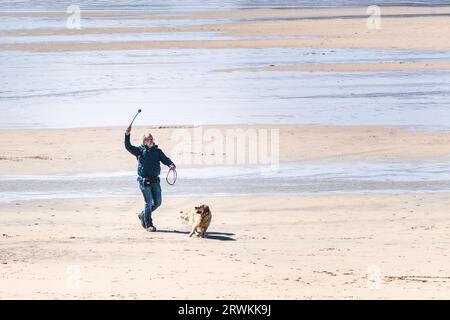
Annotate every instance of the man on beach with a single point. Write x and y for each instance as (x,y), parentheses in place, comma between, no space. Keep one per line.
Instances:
(149,157)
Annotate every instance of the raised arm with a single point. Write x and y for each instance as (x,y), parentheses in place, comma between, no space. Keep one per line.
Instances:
(131,149)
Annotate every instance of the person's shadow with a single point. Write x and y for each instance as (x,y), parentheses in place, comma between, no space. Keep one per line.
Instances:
(222,236)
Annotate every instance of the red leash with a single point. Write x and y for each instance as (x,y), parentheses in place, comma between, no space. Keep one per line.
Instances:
(174,176)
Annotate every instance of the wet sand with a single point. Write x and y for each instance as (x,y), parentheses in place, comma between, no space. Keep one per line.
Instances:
(236,14)
(350,67)
(351,247)
(81,150)
(402,28)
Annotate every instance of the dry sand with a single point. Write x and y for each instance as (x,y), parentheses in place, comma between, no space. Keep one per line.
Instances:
(50,151)
(378,246)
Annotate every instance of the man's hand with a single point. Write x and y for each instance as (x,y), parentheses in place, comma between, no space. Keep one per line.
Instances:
(127,132)
(172,166)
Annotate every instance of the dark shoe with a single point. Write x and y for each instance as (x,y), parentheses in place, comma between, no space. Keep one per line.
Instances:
(151,229)
(142,220)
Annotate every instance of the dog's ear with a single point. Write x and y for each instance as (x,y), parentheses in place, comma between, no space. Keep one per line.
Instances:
(205,208)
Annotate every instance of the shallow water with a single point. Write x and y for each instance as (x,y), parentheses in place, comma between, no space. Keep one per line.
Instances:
(182,86)
(189,5)
(154,36)
(288,179)
(86,89)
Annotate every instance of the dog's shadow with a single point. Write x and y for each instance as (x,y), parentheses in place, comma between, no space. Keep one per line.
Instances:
(222,236)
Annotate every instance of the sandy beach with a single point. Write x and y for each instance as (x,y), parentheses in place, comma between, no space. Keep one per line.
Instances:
(392,246)
(348,67)
(53,151)
(354,107)
(403,28)
(321,247)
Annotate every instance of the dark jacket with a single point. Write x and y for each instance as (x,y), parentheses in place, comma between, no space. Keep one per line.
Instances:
(148,159)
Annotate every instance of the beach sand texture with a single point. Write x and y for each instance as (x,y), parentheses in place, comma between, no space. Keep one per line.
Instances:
(81,150)
(403,29)
(338,246)
(352,247)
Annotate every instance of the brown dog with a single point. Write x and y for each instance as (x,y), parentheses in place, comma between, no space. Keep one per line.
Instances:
(199,218)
